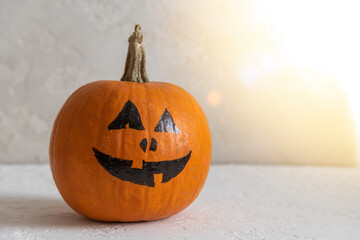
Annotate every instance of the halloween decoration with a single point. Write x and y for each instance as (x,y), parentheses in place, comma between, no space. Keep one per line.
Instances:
(130,150)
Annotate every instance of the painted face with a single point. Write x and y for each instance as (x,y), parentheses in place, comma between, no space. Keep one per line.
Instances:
(121,168)
(118,160)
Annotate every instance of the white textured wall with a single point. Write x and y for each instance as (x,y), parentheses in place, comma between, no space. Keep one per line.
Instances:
(50,48)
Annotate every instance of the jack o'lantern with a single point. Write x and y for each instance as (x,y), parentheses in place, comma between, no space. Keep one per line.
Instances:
(130,150)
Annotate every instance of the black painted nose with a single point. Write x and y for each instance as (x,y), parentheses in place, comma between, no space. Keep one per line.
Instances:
(143,144)
(153,144)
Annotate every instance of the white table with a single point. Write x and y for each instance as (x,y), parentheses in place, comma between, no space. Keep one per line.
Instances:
(238,202)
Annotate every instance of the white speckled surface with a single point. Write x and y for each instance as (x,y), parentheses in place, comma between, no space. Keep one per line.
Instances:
(261,105)
(238,202)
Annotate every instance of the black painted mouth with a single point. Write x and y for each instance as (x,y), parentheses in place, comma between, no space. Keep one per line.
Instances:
(121,168)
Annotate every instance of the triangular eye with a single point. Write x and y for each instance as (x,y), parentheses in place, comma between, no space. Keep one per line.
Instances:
(128,115)
(166,124)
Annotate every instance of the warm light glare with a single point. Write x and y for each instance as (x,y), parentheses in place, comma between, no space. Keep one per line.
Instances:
(296,63)
(321,36)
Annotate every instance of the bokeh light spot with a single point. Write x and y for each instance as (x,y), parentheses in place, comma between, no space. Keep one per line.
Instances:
(249,75)
(268,63)
(214,98)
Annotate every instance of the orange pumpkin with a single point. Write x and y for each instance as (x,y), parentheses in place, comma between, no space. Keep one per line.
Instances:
(130,150)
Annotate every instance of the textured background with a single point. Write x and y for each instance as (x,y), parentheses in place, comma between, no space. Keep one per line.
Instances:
(262,107)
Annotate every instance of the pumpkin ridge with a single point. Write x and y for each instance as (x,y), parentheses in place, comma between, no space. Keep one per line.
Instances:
(64,174)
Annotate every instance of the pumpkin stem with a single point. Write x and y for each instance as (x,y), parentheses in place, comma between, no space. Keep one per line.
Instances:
(135,70)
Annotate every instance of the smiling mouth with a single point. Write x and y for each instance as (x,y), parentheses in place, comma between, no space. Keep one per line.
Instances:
(122,169)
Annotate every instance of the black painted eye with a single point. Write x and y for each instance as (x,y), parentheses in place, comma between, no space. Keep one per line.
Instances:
(128,115)
(166,124)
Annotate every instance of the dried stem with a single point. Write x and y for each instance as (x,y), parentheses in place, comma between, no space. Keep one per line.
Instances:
(135,70)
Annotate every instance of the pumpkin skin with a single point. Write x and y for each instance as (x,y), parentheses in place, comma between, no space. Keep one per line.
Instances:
(83,124)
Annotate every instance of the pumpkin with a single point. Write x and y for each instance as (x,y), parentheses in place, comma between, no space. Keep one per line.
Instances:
(130,150)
